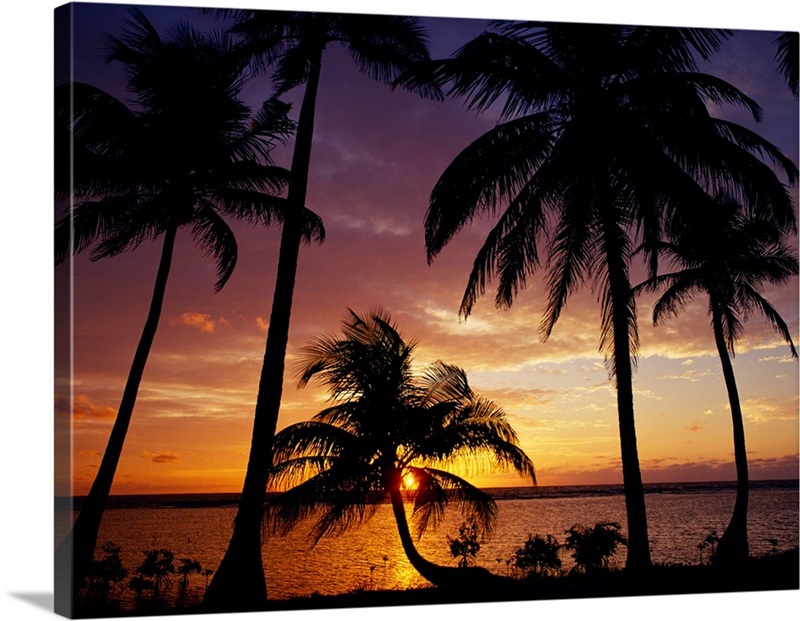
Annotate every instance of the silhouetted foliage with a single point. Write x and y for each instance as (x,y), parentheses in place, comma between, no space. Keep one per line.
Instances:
(786,54)
(709,544)
(605,133)
(593,547)
(726,252)
(385,425)
(538,555)
(185,154)
(105,572)
(466,544)
(157,569)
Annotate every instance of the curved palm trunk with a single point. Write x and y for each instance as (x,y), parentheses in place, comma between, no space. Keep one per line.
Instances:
(239,583)
(733,546)
(444,577)
(638,557)
(77,550)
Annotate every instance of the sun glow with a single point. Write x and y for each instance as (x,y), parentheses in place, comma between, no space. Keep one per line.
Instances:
(409,481)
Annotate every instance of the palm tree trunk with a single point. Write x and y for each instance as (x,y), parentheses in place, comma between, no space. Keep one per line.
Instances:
(733,546)
(239,583)
(77,550)
(638,557)
(458,578)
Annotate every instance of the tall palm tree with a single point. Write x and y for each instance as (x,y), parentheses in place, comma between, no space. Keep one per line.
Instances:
(604,132)
(187,153)
(292,45)
(388,432)
(726,254)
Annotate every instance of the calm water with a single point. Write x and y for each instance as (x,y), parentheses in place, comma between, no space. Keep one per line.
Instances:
(679,518)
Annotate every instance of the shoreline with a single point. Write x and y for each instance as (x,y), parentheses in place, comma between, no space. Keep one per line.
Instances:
(779,572)
(775,572)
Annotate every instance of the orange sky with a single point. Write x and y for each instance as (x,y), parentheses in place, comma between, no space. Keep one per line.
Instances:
(376,156)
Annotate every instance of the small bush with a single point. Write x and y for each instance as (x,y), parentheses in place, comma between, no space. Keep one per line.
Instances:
(593,547)
(538,555)
(710,544)
(105,572)
(466,545)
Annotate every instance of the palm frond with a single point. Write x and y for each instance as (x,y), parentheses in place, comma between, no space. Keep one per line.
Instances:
(438,489)
(492,169)
(787,50)
(217,240)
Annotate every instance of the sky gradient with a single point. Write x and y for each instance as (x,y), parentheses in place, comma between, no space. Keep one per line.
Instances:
(377,153)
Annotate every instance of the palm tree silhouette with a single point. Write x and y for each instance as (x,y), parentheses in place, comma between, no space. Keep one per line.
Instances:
(292,44)
(787,50)
(386,433)
(602,129)
(727,254)
(187,153)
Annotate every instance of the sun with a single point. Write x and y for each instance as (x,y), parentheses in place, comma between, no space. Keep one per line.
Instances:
(409,481)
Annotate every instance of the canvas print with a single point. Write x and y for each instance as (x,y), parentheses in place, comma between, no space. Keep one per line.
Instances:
(375,310)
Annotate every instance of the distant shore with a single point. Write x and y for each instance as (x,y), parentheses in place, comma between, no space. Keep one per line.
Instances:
(231,499)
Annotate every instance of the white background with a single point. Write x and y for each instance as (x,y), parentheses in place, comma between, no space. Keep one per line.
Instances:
(26,300)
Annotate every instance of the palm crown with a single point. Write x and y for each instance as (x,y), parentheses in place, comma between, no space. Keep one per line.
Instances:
(386,426)
(187,152)
(602,124)
(728,255)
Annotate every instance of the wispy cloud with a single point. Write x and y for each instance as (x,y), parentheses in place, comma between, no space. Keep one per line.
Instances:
(84,408)
(160,457)
(201,321)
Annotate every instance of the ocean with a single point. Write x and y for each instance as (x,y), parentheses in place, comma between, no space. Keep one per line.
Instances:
(680,516)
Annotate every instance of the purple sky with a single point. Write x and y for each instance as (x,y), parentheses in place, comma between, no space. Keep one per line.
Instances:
(27,63)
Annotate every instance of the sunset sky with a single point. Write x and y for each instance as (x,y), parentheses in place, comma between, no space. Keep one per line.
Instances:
(377,153)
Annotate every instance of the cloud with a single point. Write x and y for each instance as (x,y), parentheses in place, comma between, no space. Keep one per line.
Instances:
(84,408)
(764,410)
(201,321)
(161,457)
(695,426)
(262,323)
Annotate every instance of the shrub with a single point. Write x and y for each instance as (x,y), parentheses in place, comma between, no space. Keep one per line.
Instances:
(593,547)
(105,572)
(466,545)
(538,555)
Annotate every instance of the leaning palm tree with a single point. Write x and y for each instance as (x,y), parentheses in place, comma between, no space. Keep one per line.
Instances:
(388,434)
(604,132)
(292,45)
(728,255)
(186,154)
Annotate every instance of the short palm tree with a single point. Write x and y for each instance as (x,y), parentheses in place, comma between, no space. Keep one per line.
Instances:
(187,154)
(726,254)
(604,133)
(292,45)
(388,433)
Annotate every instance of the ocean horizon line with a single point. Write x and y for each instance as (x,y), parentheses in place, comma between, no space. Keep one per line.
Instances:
(205,499)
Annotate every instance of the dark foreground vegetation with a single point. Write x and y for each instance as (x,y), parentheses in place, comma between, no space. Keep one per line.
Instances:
(768,573)
(773,572)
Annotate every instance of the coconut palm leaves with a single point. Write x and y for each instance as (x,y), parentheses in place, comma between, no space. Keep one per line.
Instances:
(186,153)
(388,430)
(727,254)
(604,137)
(787,51)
